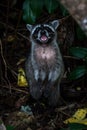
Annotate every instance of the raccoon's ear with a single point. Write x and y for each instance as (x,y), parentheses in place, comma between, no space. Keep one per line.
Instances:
(29,27)
(55,24)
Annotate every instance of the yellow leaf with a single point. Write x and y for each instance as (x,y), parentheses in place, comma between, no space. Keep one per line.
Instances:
(10,38)
(71,120)
(22,78)
(83,121)
(80,114)
(21,61)
(78,117)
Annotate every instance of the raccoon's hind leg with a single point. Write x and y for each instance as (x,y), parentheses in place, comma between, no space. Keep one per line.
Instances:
(54,95)
(35,89)
(34,84)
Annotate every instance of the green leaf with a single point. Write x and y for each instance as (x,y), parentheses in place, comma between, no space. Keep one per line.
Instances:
(9,127)
(80,34)
(64,10)
(37,6)
(78,72)
(79,52)
(51,5)
(75,126)
(1,122)
(28,14)
(31,10)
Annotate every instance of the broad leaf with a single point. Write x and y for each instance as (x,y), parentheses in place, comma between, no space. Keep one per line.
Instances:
(36,6)
(64,10)
(51,5)
(28,14)
(31,10)
(79,52)
(80,34)
(75,126)
(9,127)
(78,72)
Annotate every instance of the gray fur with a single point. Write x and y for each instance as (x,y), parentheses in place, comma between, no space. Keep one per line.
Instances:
(44,71)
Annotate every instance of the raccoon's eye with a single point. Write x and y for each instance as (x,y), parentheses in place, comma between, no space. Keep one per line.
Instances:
(48,29)
(35,35)
(51,33)
(37,29)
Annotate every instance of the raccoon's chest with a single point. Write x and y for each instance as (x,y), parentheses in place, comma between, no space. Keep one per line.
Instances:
(45,56)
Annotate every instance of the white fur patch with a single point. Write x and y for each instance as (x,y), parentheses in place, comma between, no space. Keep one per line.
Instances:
(45,25)
(33,30)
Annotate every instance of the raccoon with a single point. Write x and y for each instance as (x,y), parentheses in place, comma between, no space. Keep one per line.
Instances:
(44,66)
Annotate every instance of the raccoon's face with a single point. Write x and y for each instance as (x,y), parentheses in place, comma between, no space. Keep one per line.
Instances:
(43,33)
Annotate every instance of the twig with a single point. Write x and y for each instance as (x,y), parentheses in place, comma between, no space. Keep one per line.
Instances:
(14,29)
(12,71)
(2,5)
(61,109)
(3,57)
(72,57)
(66,107)
(4,64)
(19,18)
(16,89)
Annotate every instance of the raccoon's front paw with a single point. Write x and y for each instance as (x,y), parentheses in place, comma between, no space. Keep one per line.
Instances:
(36,74)
(42,75)
(39,75)
(53,75)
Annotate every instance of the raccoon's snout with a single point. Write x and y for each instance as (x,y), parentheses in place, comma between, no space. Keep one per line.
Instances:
(44,36)
(43,32)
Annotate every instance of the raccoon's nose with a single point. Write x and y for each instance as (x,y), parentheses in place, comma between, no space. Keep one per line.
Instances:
(43,32)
